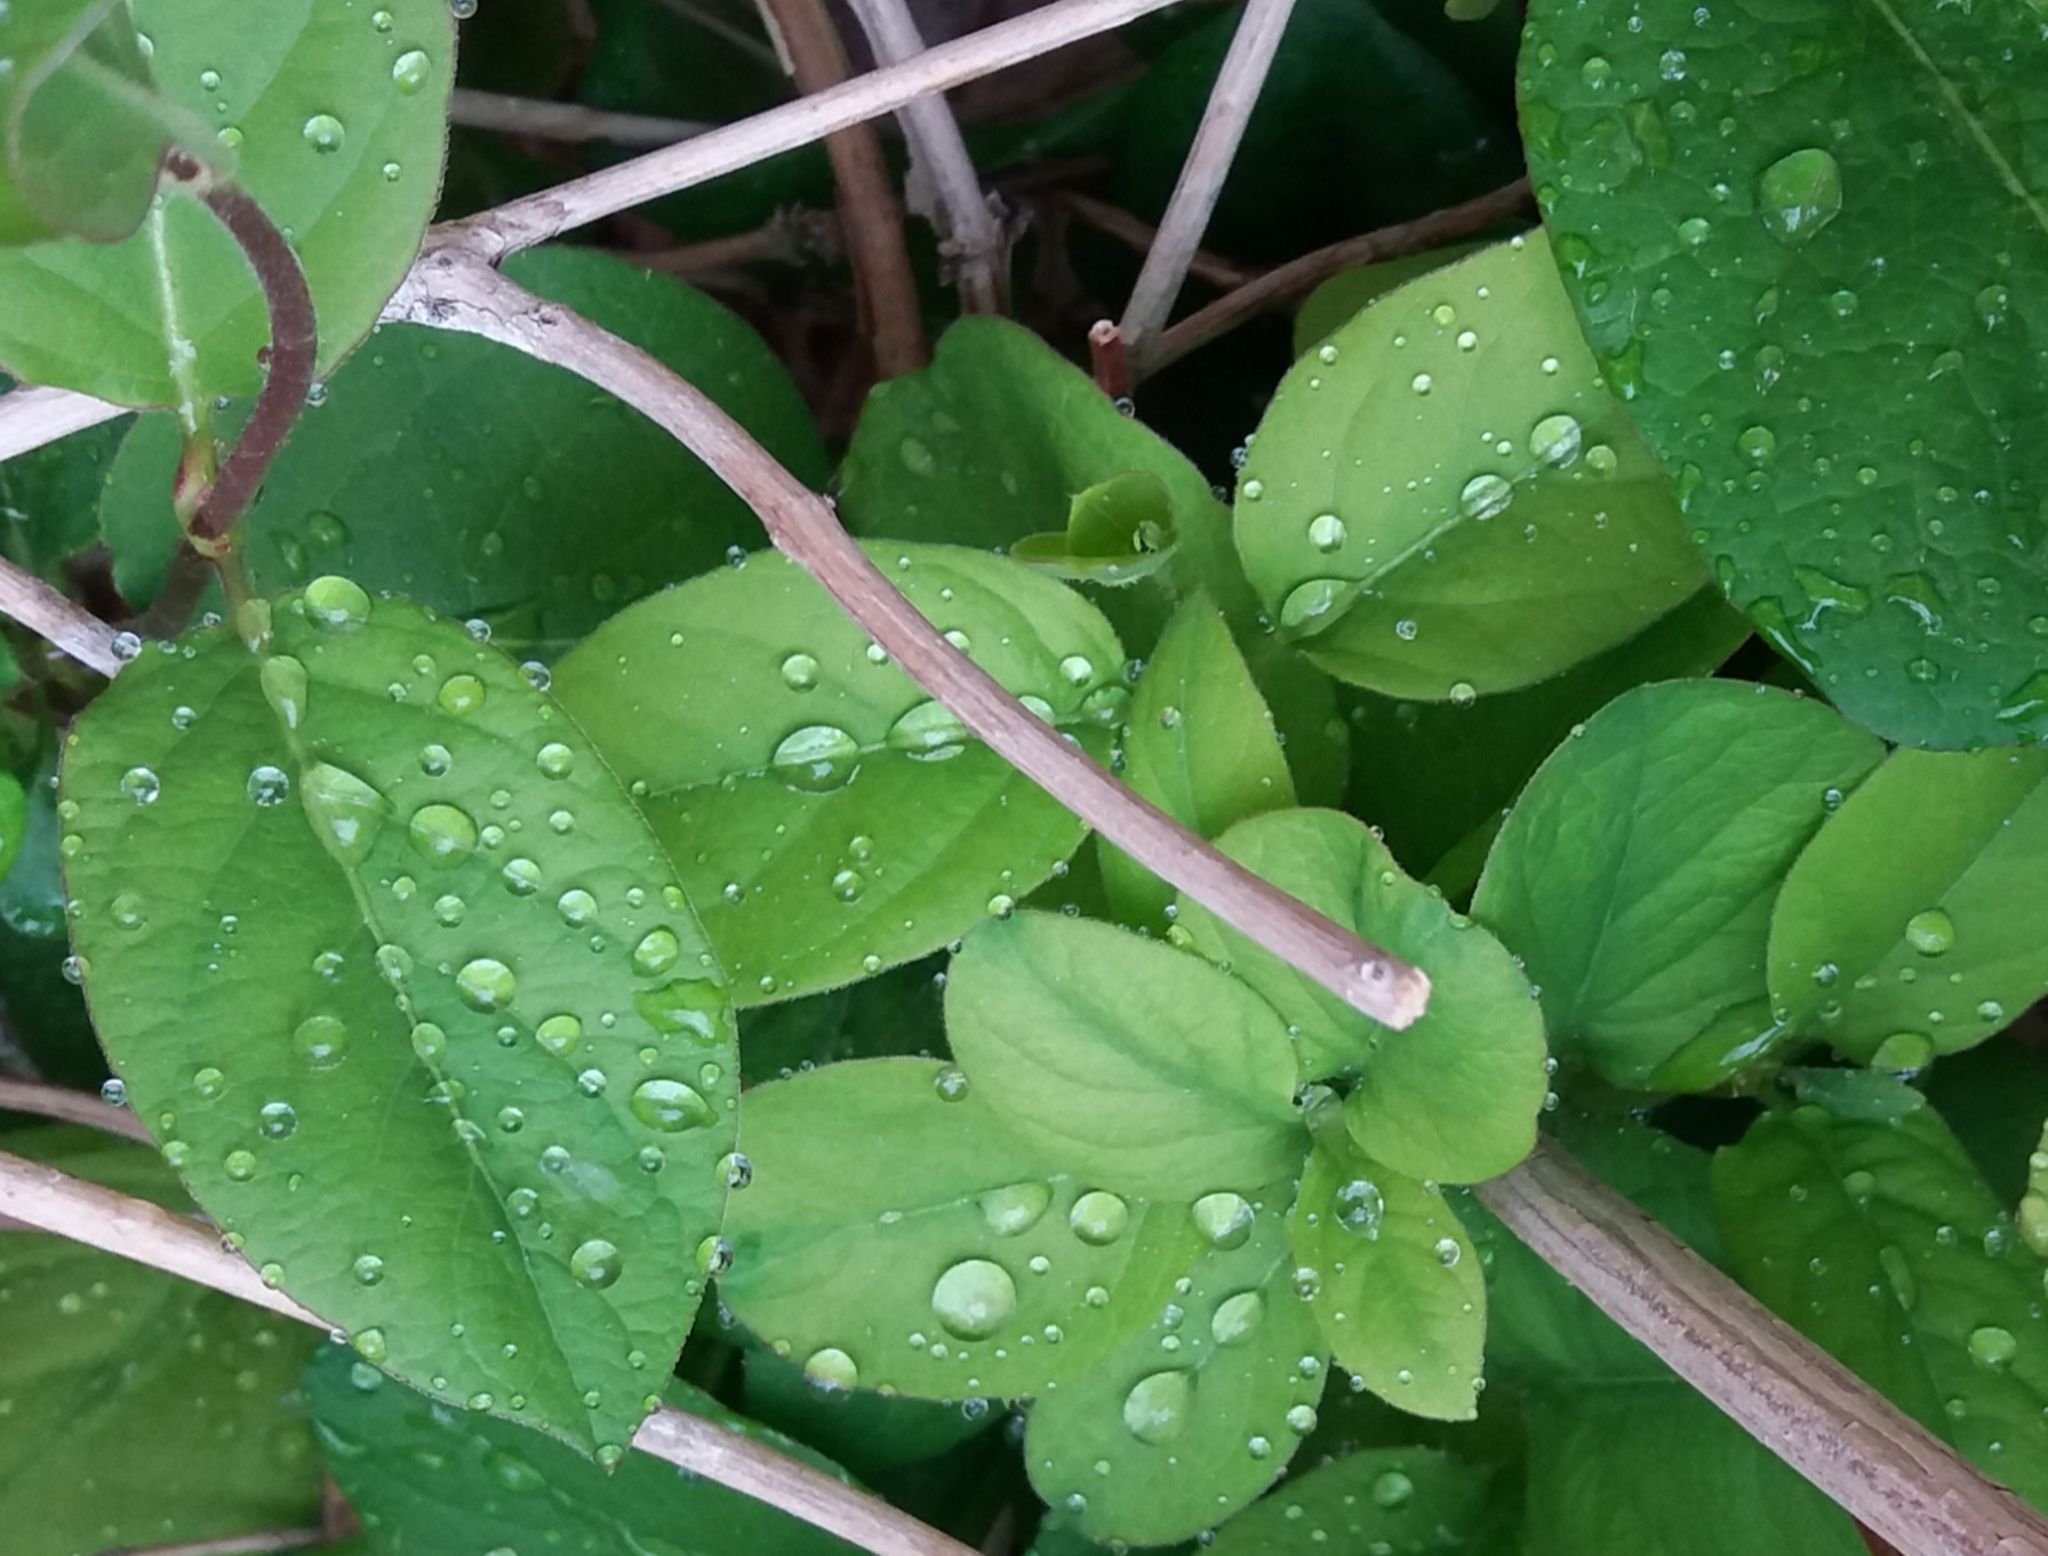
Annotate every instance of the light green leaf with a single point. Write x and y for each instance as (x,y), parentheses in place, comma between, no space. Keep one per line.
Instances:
(1130,1063)
(1337,301)
(1117,531)
(405,988)
(141,1409)
(1636,874)
(485,484)
(336,117)
(1196,1415)
(1405,1499)
(1878,1240)
(957,1260)
(1392,1280)
(1455,1096)
(994,442)
(423,1478)
(1914,924)
(829,818)
(13,820)
(1812,328)
(1200,746)
(1443,499)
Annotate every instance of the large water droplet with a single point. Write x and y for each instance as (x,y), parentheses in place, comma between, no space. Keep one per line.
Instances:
(1359,1207)
(1800,194)
(974,1298)
(1931,932)
(141,785)
(670,1106)
(335,604)
(486,984)
(1156,1409)
(799,672)
(1327,532)
(346,812)
(1015,1208)
(411,71)
(928,732)
(1903,1051)
(324,133)
(460,695)
(596,1263)
(321,1041)
(817,759)
(1556,440)
(445,834)
(268,785)
(1991,1346)
(831,1368)
(1224,1220)
(1237,1317)
(657,952)
(1484,496)
(1392,1488)
(1310,601)
(1099,1217)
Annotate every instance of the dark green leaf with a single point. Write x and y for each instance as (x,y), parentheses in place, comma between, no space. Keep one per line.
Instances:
(827,816)
(486,484)
(426,1479)
(1455,1096)
(1392,1280)
(1828,321)
(336,116)
(1637,872)
(1877,1239)
(1200,746)
(958,1260)
(49,496)
(13,820)
(1406,1499)
(1443,499)
(1136,1066)
(406,990)
(141,1410)
(1914,924)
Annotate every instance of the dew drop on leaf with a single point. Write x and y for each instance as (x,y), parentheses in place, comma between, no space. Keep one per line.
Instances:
(974,1298)
(1099,1217)
(670,1106)
(1015,1208)
(1156,1409)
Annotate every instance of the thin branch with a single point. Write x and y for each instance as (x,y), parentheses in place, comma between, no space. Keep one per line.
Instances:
(1882,1468)
(546,120)
(260,1543)
(1109,359)
(294,341)
(968,225)
(1137,233)
(788,237)
(455,291)
(31,417)
(538,217)
(1298,276)
(703,16)
(869,213)
(48,614)
(50,1201)
(1231,101)
(73,1107)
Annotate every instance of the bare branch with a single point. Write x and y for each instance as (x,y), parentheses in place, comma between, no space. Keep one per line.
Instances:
(72,1107)
(1231,101)
(52,617)
(546,120)
(1289,281)
(454,291)
(50,1201)
(869,213)
(1885,1470)
(971,231)
(1136,233)
(31,417)
(260,1543)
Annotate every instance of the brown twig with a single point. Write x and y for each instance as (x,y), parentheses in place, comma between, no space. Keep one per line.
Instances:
(40,608)
(294,342)
(1136,233)
(1109,359)
(51,1201)
(545,120)
(870,214)
(1297,276)
(453,290)
(970,230)
(260,1543)
(184,586)
(786,237)
(1229,109)
(72,1107)
(1884,1469)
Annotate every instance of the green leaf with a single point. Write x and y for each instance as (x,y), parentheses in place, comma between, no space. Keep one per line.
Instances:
(13,820)
(871,1434)
(1200,746)
(1128,1062)
(1117,531)
(1341,298)
(1440,777)
(1454,1097)
(1914,924)
(425,1478)
(1392,1280)
(336,120)
(141,1409)
(995,442)
(1636,874)
(1810,328)
(1405,1499)
(404,987)
(485,484)
(1443,500)
(829,818)
(1879,1241)
(1196,1415)
(48,497)
(959,1260)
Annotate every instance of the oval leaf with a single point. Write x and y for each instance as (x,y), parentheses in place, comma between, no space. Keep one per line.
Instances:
(829,818)
(1915,923)
(407,991)
(1810,327)
(1127,1062)
(1444,500)
(1453,1098)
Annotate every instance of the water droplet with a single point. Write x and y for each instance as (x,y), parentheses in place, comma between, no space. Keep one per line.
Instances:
(950,1083)
(1448,1252)
(817,759)
(1156,1409)
(1757,444)
(1237,1317)
(1392,1488)
(128,911)
(1301,1419)
(684,1007)
(346,812)
(1308,601)
(1484,496)
(1099,1217)
(1224,1219)
(1359,1207)
(324,133)
(1327,532)
(443,834)
(335,604)
(460,695)
(284,687)
(917,456)
(657,952)
(276,1120)
(799,672)
(974,1298)
(1931,932)
(1556,440)
(1015,1208)
(239,1166)
(1903,1051)
(929,732)
(140,785)
(576,906)
(596,1263)
(670,1106)
(831,1368)
(411,71)
(1991,1346)
(321,1041)
(486,984)
(1800,194)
